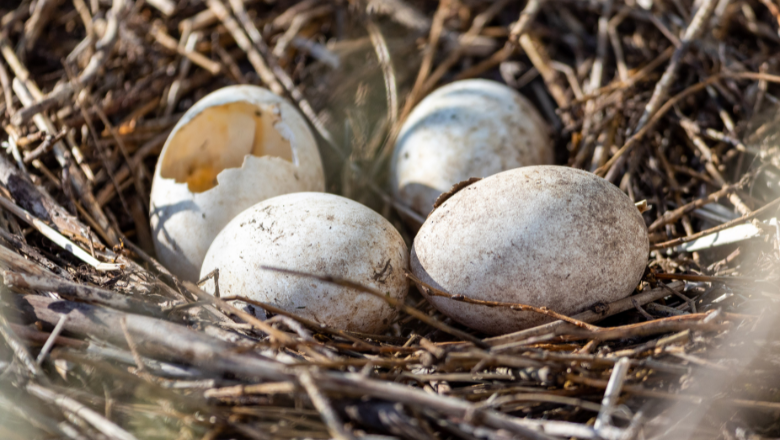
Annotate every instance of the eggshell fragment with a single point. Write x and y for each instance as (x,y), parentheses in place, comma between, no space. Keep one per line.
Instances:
(235,147)
(469,128)
(544,236)
(320,234)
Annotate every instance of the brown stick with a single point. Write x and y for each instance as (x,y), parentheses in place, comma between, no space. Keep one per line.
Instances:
(514,306)
(765,209)
(392,301)
(587,316)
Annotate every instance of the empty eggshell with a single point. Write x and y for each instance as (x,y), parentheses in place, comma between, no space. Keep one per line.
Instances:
(470,128)
(235,147)
(545,236)
(316,233)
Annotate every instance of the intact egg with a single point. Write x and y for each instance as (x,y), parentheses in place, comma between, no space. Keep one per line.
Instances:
(545,236)
(316,233)
(235,147)
(469,128)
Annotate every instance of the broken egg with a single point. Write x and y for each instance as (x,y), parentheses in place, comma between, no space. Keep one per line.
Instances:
(545,236)
(316,233)
(235,147)
(469,128)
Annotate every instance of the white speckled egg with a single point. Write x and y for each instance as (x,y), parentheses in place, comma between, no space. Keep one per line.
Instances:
(545,236)
(316,233)
(469,128)
(235,147)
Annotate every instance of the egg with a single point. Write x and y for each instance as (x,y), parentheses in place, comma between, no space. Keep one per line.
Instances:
(545,236)
(469,128)
(316,233)
(235,147)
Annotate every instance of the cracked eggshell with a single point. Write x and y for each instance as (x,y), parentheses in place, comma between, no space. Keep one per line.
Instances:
(545,236)
(469,128)
(235,147)
(316,233)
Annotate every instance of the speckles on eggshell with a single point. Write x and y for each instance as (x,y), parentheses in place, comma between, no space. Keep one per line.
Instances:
(355,243)
(469,128)
(517,233)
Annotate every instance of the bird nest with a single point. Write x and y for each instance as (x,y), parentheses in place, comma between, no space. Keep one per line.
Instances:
(673,101)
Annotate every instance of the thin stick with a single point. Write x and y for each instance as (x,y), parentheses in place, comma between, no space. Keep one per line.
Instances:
(506,341)
(692,32)
(698,400)
(612,393)
(468,38)
(280,336)
(329,416)
(425,67)
(311,324)
(638,135)
(187,51)
(767,208)
(526,428)
(20,351)
(52,339)
(27,92)
(56,237)
(139,362)
(694,321)
(390,300)
(673,216)
(72,406)
(70,289)
(103,46)
(514,306)
(6,84)
(243,42)
(386,63)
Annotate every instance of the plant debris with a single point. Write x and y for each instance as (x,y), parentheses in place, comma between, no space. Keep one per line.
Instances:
(674,101)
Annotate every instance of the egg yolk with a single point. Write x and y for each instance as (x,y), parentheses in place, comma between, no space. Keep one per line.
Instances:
(202,179)
(219,138)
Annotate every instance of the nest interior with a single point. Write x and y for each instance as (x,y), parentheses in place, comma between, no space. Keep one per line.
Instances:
(673,101)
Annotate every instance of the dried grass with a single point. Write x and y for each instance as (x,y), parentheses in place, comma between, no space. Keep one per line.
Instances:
(676,104)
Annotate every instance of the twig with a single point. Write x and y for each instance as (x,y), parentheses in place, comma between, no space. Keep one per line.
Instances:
(514,306)
(673,216)
(692,32)
(695,321)
(79,291)
(243,42)
(418,89)
(139,362)
(72,406)
(20,351)
(26,92)
(765,209)
(56,237)
(167,7)
(329,416)
(527,428)
(506,341)
(642,311)
(386,63)
(698,400)
(611,394)
(6,83)
(390,300)
(639,134)
(40,150)
(352,336)
(170,43)
(51,340)
(103,49)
